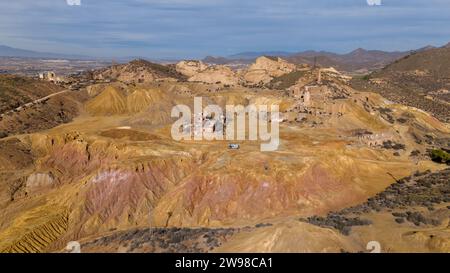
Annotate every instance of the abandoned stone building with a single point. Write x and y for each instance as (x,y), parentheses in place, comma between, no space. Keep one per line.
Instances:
(300,93)
(308,94)
(183,90)
(209,125)
(48,76)
(374,140)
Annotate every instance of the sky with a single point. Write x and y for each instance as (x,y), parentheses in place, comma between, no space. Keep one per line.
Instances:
(197,28)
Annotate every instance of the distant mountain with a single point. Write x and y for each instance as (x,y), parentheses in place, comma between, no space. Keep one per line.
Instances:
(216,60)
(254,55)
(359,60)
(356,61)
(227,61)
(6,51)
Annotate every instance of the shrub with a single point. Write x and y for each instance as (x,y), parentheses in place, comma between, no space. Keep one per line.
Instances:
(440,156)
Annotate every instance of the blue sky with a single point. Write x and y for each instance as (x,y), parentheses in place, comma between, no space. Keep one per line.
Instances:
(196,28)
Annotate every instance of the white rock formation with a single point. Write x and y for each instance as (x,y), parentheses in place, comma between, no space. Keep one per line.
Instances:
(190,68)
(266,68)
(216,74)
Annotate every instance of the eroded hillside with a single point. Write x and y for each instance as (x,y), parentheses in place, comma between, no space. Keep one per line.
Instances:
(115,180)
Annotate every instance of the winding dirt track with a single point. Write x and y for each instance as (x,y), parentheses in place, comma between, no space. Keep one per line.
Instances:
(26,105)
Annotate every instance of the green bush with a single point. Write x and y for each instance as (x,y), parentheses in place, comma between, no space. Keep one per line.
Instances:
(440,156)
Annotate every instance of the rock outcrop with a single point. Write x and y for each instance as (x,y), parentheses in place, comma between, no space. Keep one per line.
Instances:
(190,68)
(216,74)
(266,68)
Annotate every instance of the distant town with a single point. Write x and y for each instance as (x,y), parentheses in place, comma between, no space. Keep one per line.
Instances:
(32,67)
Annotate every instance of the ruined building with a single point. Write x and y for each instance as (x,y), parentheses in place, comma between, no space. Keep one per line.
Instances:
(50,76)
(374,140)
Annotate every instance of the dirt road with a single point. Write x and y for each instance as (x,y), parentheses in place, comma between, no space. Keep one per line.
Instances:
(29,104)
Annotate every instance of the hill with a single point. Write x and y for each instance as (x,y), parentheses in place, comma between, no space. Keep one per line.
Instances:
(138,71)
(420,79)
(24,111)
(17,90)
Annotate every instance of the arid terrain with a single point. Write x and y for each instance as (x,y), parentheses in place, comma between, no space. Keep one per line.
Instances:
(98,164)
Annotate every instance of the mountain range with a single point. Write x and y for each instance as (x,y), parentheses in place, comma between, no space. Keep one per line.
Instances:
(357,61)
(6,51)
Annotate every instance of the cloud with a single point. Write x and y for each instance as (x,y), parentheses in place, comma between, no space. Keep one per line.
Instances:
(195,28)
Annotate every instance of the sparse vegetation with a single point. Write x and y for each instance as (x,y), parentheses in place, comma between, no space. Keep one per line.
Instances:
(287,80)
(166,240)
(337,221)
(423,189)
(392,145)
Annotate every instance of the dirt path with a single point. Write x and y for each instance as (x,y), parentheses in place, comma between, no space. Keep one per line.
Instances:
(29,104)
